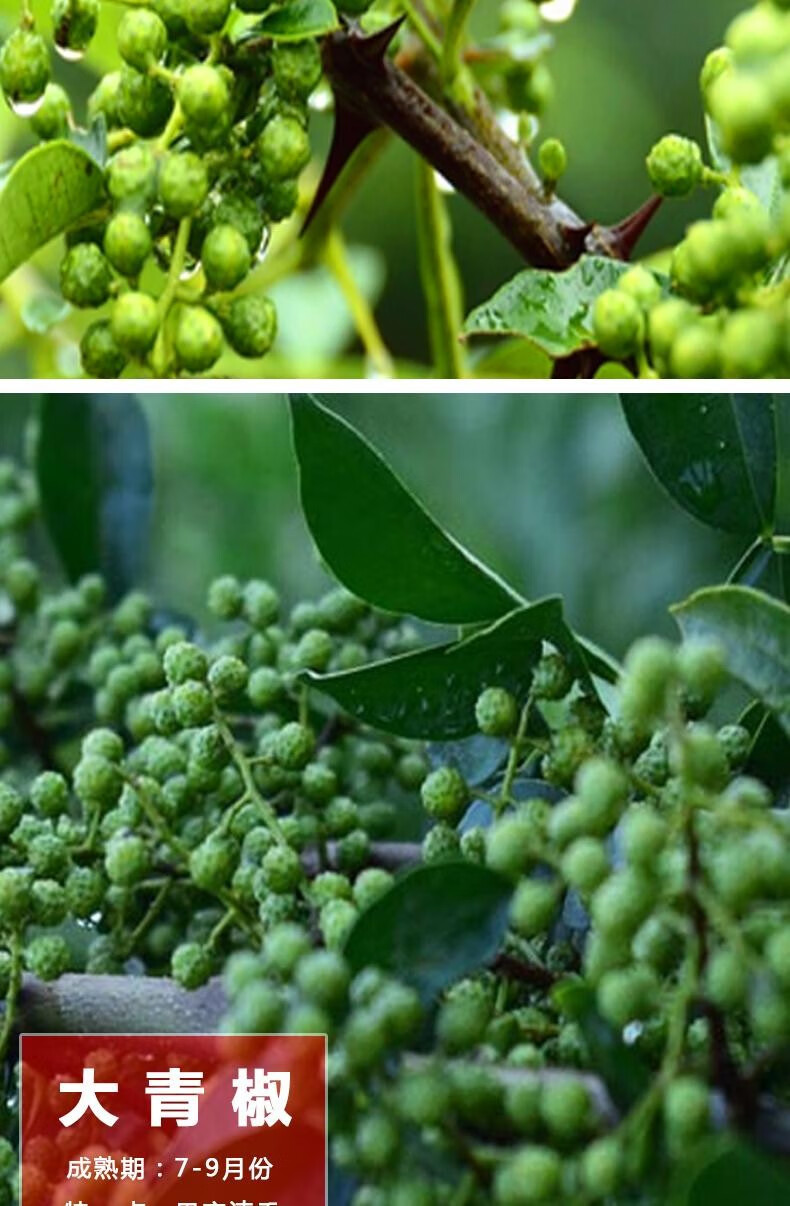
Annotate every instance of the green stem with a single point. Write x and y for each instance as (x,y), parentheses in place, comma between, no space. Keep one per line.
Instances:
(514,758)
(336,261)
(439,275)
(154,909)
(159,355)
(421,27)
(450,65)
(251,787)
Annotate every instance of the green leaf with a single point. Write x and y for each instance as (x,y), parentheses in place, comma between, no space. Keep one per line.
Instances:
(782,427)
(754,631)
(434,925)
(300,19)
(93,461)
(552,309)
(623,1072)
(714,453)
(729,1173)
(375,536)
(431,694)
(50,189)
(769,756)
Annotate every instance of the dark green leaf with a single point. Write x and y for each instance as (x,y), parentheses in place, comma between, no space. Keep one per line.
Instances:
(50,189)
(300,19)
(782,422)
(434,925)
(552,309)
(730,1173)
(769,756)
(714,453)
(754,631)
(376,537)
(431,694)
(623,1072)
(93,461)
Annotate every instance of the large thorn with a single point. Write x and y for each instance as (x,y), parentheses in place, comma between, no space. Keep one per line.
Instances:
(351,129)
(620,241)
(375,46)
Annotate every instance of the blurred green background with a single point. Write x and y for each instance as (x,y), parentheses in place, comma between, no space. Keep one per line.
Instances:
(549,489)
(626,71)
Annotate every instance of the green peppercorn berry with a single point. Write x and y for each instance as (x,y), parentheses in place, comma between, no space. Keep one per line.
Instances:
(293,746)
(496,712)
(103,743)
(282,869)
(686,1108)
(727,979)
(314,650)
(208,749)
(674,166)
(97,781)
(184,661)
(192,704)
(204,95)
(127,860)
(212,864)
(280,198)
(197,339)
(191,965)
(335,922)
(24,66)
(283,147)
(618,324)
(250,324)
(641,284)
(50,906)
(183,183)
(144,102)
(131,174)
(552,159)
(48,956)
(85,890)
(85,276)
(225,256)
(750,343)
(370,885)
(422,1098)
(323,978)
(225,597)
(552,678)
(227,677)
(696,352)
(100,355)
(297,68)
(601,1167)
(740,103)
(134,322)
(52,118)
(565,1108)
(127,242)
(534,907)
(11,809)
(261,603)
(757,34)
(22,581)
(49,794)
(207,16)
(74,23)
(531,1175)
(265,687)
(445,794)
(142,38)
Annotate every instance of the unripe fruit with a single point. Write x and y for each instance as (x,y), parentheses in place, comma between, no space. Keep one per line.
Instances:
(142,38)
(191,965)
(207,16)
(203,94)
(532,1175)
(496,712)
(24,66)
(183,183)
(85,276)
(686,1107)
(297,68)
(552,159)
(250,325)
(225,257)
(618,324)
(127,242)
(510,848)
(445,794)
(283,147)
(741,105)
(674,166)
(51,119)
(131,174)
(534,906)
(197,339)
(134,322)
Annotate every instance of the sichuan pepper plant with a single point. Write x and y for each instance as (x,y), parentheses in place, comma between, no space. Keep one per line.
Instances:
(539,902)
(177,190)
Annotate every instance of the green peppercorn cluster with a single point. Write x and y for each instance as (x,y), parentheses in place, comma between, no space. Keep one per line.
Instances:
(723,312)
(207,137)
(181,801)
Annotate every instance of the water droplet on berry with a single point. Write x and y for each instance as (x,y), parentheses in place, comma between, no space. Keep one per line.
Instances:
(263,246)
(26,108)
(558,10)
(443,185)
(69,53)
(190,269)
(322,100)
